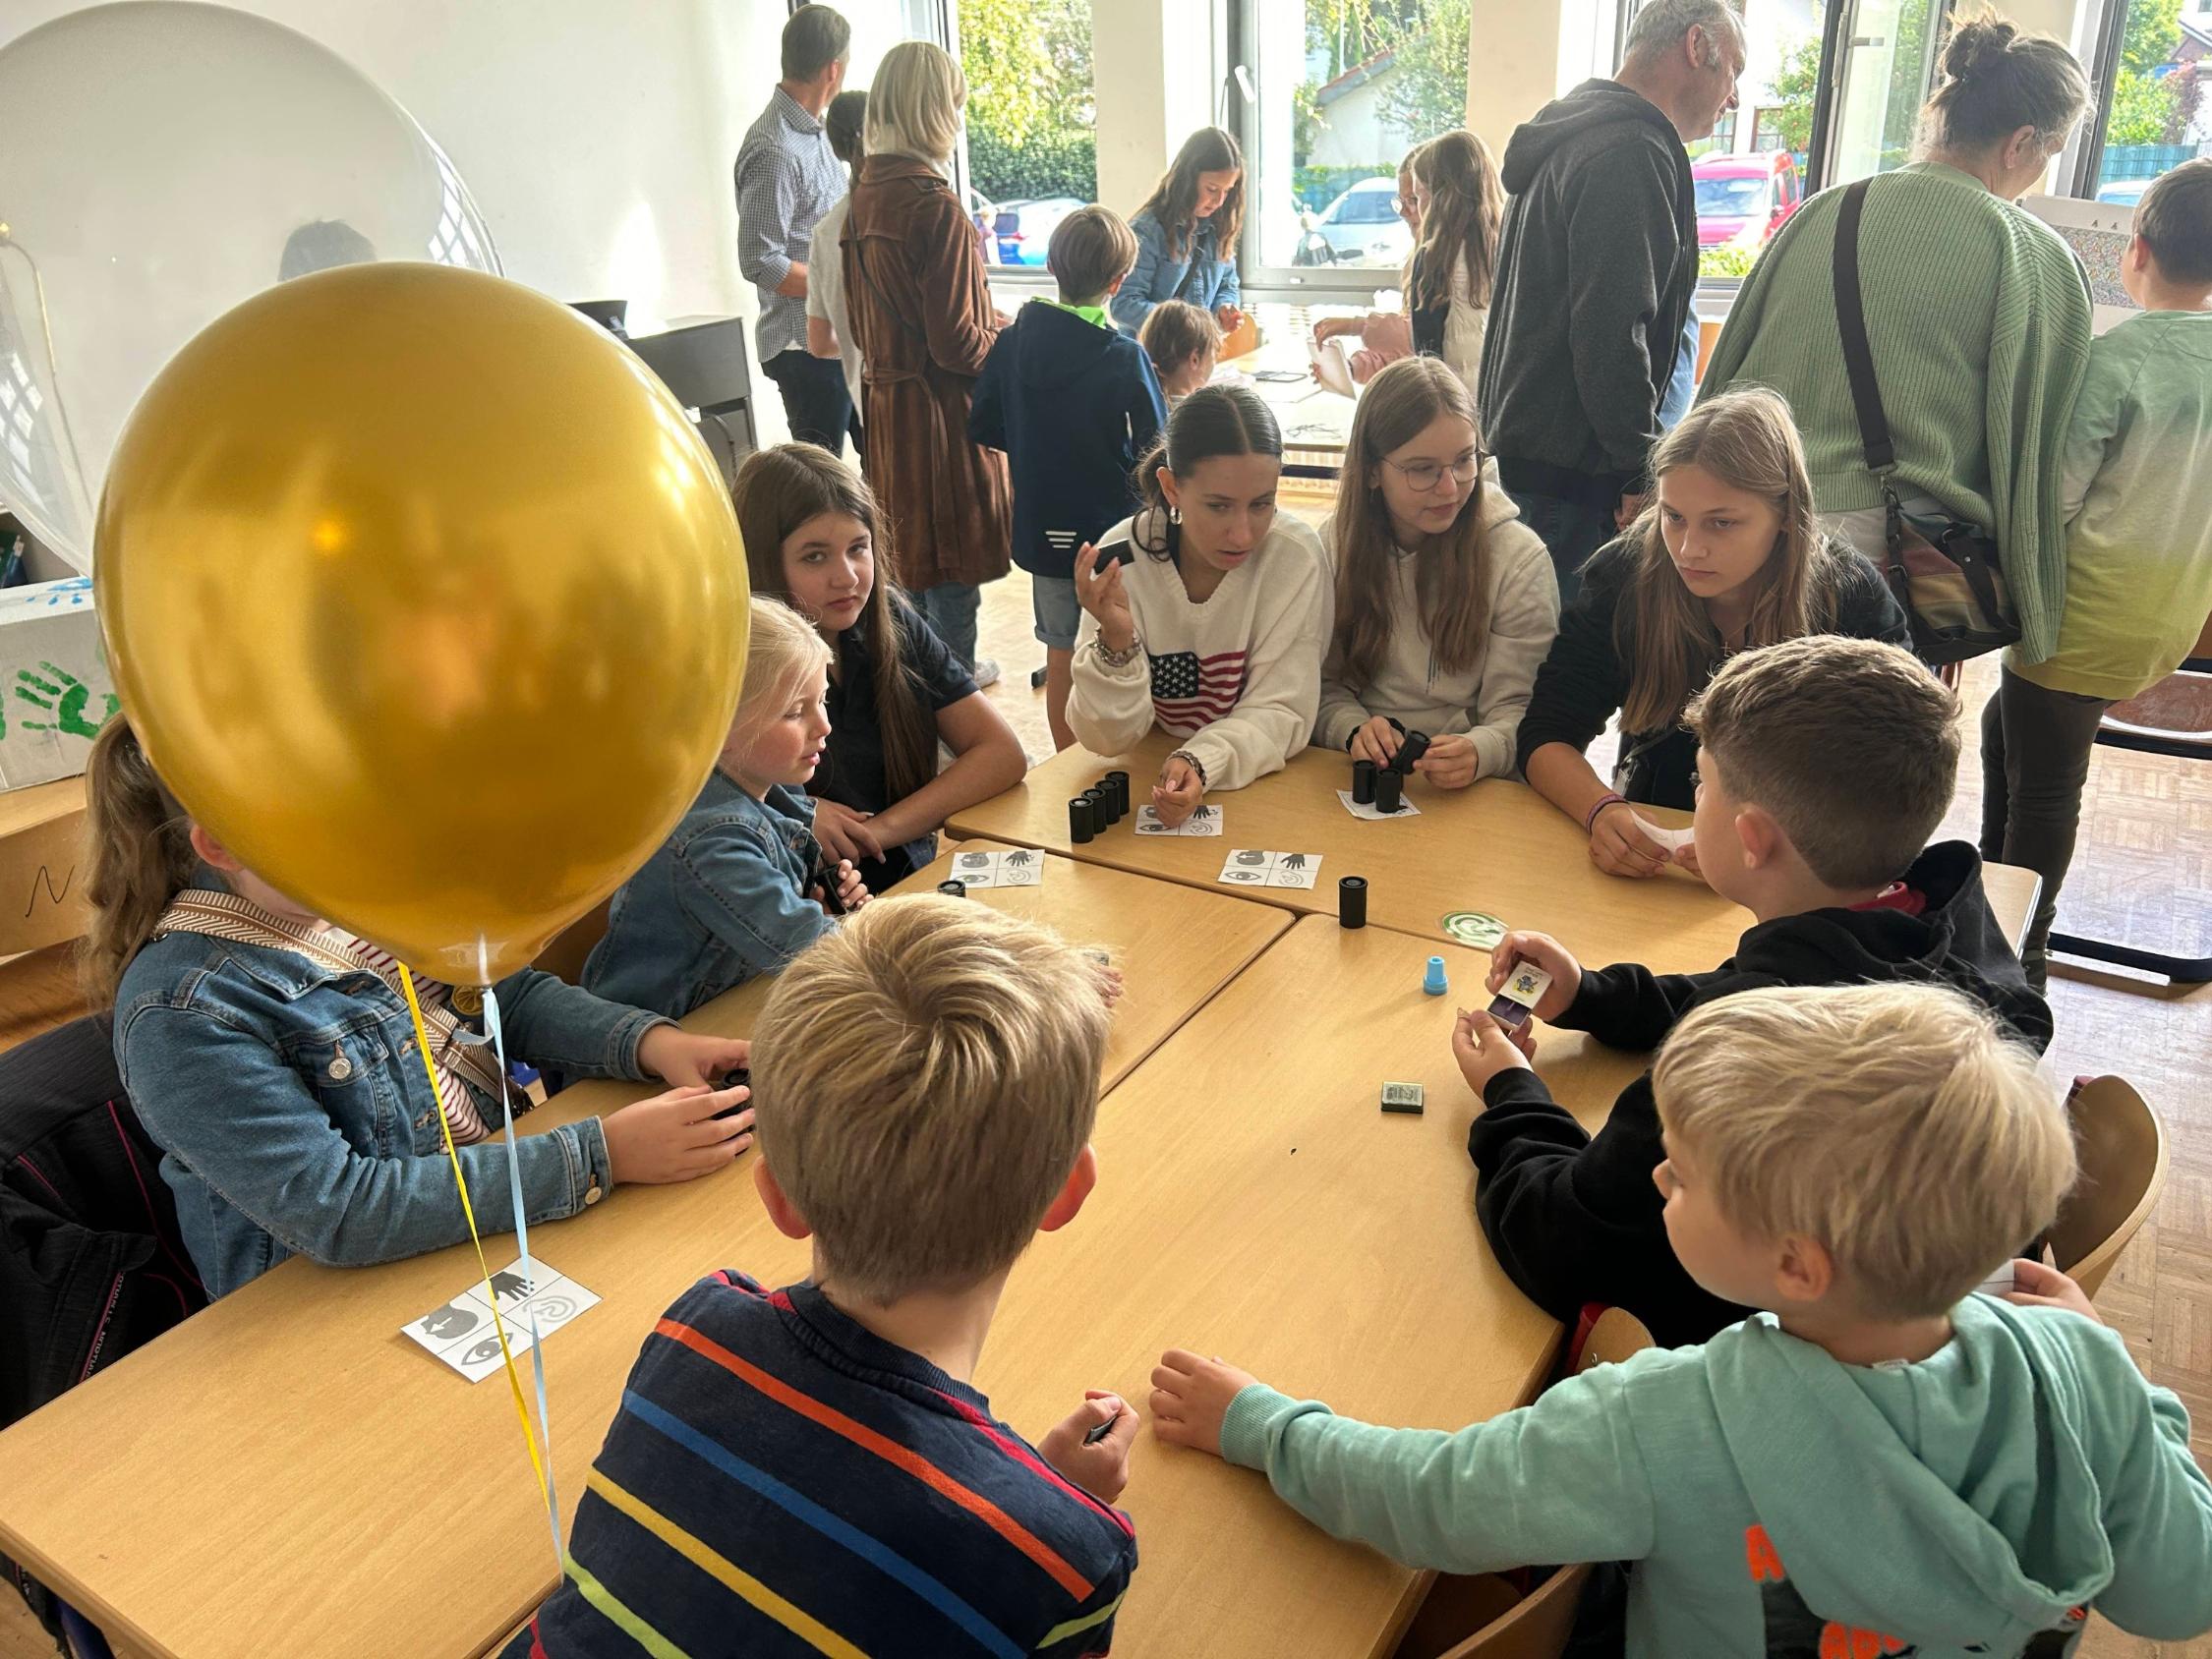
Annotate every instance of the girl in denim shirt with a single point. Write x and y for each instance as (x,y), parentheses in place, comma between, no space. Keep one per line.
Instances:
(272,1057)
(730,894)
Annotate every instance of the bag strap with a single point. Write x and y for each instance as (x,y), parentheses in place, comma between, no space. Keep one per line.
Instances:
(1850,317)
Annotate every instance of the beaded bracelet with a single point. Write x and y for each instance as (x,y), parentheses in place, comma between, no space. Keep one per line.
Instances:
(1111,659)
(1608,799)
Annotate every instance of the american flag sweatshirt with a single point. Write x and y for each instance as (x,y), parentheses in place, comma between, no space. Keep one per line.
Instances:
(1238,678)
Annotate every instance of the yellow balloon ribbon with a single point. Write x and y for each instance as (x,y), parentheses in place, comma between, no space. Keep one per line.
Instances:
(468,1213)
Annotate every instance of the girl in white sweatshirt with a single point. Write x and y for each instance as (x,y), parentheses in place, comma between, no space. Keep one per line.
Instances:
(1214,629)
(1444,603)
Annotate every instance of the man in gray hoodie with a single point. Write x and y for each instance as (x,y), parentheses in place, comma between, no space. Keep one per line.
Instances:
(1596,272)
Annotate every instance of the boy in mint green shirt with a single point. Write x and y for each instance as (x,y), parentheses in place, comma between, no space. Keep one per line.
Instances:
(2138,493)
(1885,1461)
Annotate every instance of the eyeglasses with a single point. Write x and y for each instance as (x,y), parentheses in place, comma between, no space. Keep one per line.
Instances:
(1423,475)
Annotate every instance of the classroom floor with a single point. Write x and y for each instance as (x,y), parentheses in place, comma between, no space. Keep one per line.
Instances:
(2144,873)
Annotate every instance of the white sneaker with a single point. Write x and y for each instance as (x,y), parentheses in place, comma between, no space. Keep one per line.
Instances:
(985,673)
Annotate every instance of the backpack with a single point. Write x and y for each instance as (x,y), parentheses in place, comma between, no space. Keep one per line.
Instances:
(91,1264)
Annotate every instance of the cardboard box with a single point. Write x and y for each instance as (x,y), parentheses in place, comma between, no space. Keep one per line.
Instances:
(55,693)
(43,859)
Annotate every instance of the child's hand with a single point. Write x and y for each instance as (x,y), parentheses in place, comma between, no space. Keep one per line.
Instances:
(844,832)
(1539,950)
(1099,1467)
(676,1136)
(852,892)
(1100,591)
(1618,845)
(1179,791)
(1229,316)
(2036,1285)
(678,1057)
(1450,763)
(1686,855)
(1376,741)
(1484,1047)
(1190,1396)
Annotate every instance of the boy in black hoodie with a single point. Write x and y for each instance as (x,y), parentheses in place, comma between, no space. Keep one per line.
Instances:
(1824,765)
(1074,404)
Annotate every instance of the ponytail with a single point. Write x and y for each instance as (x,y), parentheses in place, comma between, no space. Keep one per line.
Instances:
(142,855)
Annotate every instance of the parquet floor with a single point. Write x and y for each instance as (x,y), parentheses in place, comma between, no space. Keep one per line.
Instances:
(2144,873)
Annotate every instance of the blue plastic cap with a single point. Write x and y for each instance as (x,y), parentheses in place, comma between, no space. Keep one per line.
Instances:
(1434,980)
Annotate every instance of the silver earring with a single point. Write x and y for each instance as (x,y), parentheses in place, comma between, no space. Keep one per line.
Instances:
(1175,515)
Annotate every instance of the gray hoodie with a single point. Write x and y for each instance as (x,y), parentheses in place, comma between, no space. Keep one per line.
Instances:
(1597,267)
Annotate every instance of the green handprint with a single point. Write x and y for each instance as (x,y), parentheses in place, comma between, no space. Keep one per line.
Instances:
(66,698)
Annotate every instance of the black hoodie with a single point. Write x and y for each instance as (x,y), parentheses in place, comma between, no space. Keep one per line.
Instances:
(1576,1219)
(1595,270)
(1075,406)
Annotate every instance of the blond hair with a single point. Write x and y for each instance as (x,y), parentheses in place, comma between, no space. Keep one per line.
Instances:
(781,651)
(142,856)
(1746,439)
(1852,745)
(924,1081)
(1894,1124)
(1175,331)
(1093,250)
(914,103)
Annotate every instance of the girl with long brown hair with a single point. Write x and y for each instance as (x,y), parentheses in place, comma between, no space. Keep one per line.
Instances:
(1445,602)
(816,539)
(1726,555)
(1461,204)
(1187,234)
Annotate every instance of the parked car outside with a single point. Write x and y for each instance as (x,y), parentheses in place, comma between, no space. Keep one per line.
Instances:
(1019,233)
(1745,198)
(1362,226)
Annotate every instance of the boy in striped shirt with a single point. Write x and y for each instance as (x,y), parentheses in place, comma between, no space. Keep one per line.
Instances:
(809,1470)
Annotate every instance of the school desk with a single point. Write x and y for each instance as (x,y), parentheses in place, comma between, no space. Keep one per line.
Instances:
(1496,848)
(288,1473)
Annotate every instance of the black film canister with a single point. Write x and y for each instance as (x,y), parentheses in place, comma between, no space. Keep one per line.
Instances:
(1351,902)
(1118,782)
(1410,750)
(1363,783)
(956,889)
(1102,801)
(1080,822)
(1388,789)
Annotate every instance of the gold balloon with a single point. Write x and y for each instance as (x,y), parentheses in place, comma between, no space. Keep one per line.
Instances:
(427,600)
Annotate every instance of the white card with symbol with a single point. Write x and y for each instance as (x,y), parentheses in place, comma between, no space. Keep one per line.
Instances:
(1372,812)
(462,1333)
(1246,869)
(1205,819)
(1021,868)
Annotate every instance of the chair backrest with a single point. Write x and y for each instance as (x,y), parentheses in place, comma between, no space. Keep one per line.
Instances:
(2121,1145)
(565,957)
(1615,1334)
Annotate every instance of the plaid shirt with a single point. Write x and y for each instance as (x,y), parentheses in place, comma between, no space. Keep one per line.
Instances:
(788,178)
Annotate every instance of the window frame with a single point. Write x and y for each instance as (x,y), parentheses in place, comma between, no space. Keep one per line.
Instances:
(2084,155)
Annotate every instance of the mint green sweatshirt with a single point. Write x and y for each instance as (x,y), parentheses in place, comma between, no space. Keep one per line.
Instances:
(1978,319)
(1963,1504)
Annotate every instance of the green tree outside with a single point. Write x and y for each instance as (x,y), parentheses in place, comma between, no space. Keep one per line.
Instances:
(1031,98)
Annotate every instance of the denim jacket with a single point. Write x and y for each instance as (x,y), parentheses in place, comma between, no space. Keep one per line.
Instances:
(295,1117)
(1202,276)
(723,900)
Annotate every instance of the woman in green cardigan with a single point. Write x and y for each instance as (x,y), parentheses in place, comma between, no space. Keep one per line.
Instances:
(1976,314)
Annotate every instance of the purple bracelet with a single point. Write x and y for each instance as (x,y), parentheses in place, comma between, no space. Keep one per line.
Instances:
(1608,799)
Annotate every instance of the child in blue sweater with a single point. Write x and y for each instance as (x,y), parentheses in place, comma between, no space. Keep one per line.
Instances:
(1074,402)
(1884,1462)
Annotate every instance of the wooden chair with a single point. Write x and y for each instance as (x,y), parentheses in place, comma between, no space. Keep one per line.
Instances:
(2123,1150)
(1485,1617)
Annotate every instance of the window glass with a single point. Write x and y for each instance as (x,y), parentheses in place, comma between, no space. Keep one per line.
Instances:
(2156,115)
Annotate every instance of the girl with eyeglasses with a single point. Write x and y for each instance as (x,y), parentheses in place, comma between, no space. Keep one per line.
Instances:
(1445,602)
(1725,557)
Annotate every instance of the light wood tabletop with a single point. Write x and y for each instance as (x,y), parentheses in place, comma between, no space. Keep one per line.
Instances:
(1254,1201)
(288,1461)
(1497,849)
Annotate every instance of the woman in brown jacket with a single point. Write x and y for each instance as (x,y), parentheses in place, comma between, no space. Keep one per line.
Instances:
(922,314)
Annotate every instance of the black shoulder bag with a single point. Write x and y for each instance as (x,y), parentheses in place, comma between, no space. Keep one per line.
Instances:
(1945,572)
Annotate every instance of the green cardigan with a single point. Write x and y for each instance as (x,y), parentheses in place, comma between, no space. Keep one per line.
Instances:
(1978,316)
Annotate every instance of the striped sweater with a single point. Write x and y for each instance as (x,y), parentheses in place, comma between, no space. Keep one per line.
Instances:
(780,1481)
(1978,319)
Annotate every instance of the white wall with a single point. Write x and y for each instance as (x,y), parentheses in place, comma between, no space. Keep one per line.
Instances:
(597,140)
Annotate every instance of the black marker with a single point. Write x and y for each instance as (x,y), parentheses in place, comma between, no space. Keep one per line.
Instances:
(1102,1430)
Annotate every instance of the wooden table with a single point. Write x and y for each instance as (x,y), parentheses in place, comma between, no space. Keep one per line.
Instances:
(1255,1202)
(1498,848)
(1315,422)
(288,1461)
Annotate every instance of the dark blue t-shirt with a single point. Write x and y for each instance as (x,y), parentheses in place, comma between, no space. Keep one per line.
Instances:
(779,1480)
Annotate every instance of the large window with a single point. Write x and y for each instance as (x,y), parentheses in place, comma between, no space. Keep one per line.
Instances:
(1033,115)
(2153,114)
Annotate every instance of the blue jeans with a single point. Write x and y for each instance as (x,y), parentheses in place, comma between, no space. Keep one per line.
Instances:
(1571,530)
(1682,388)
(950,609)
(1059,615)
